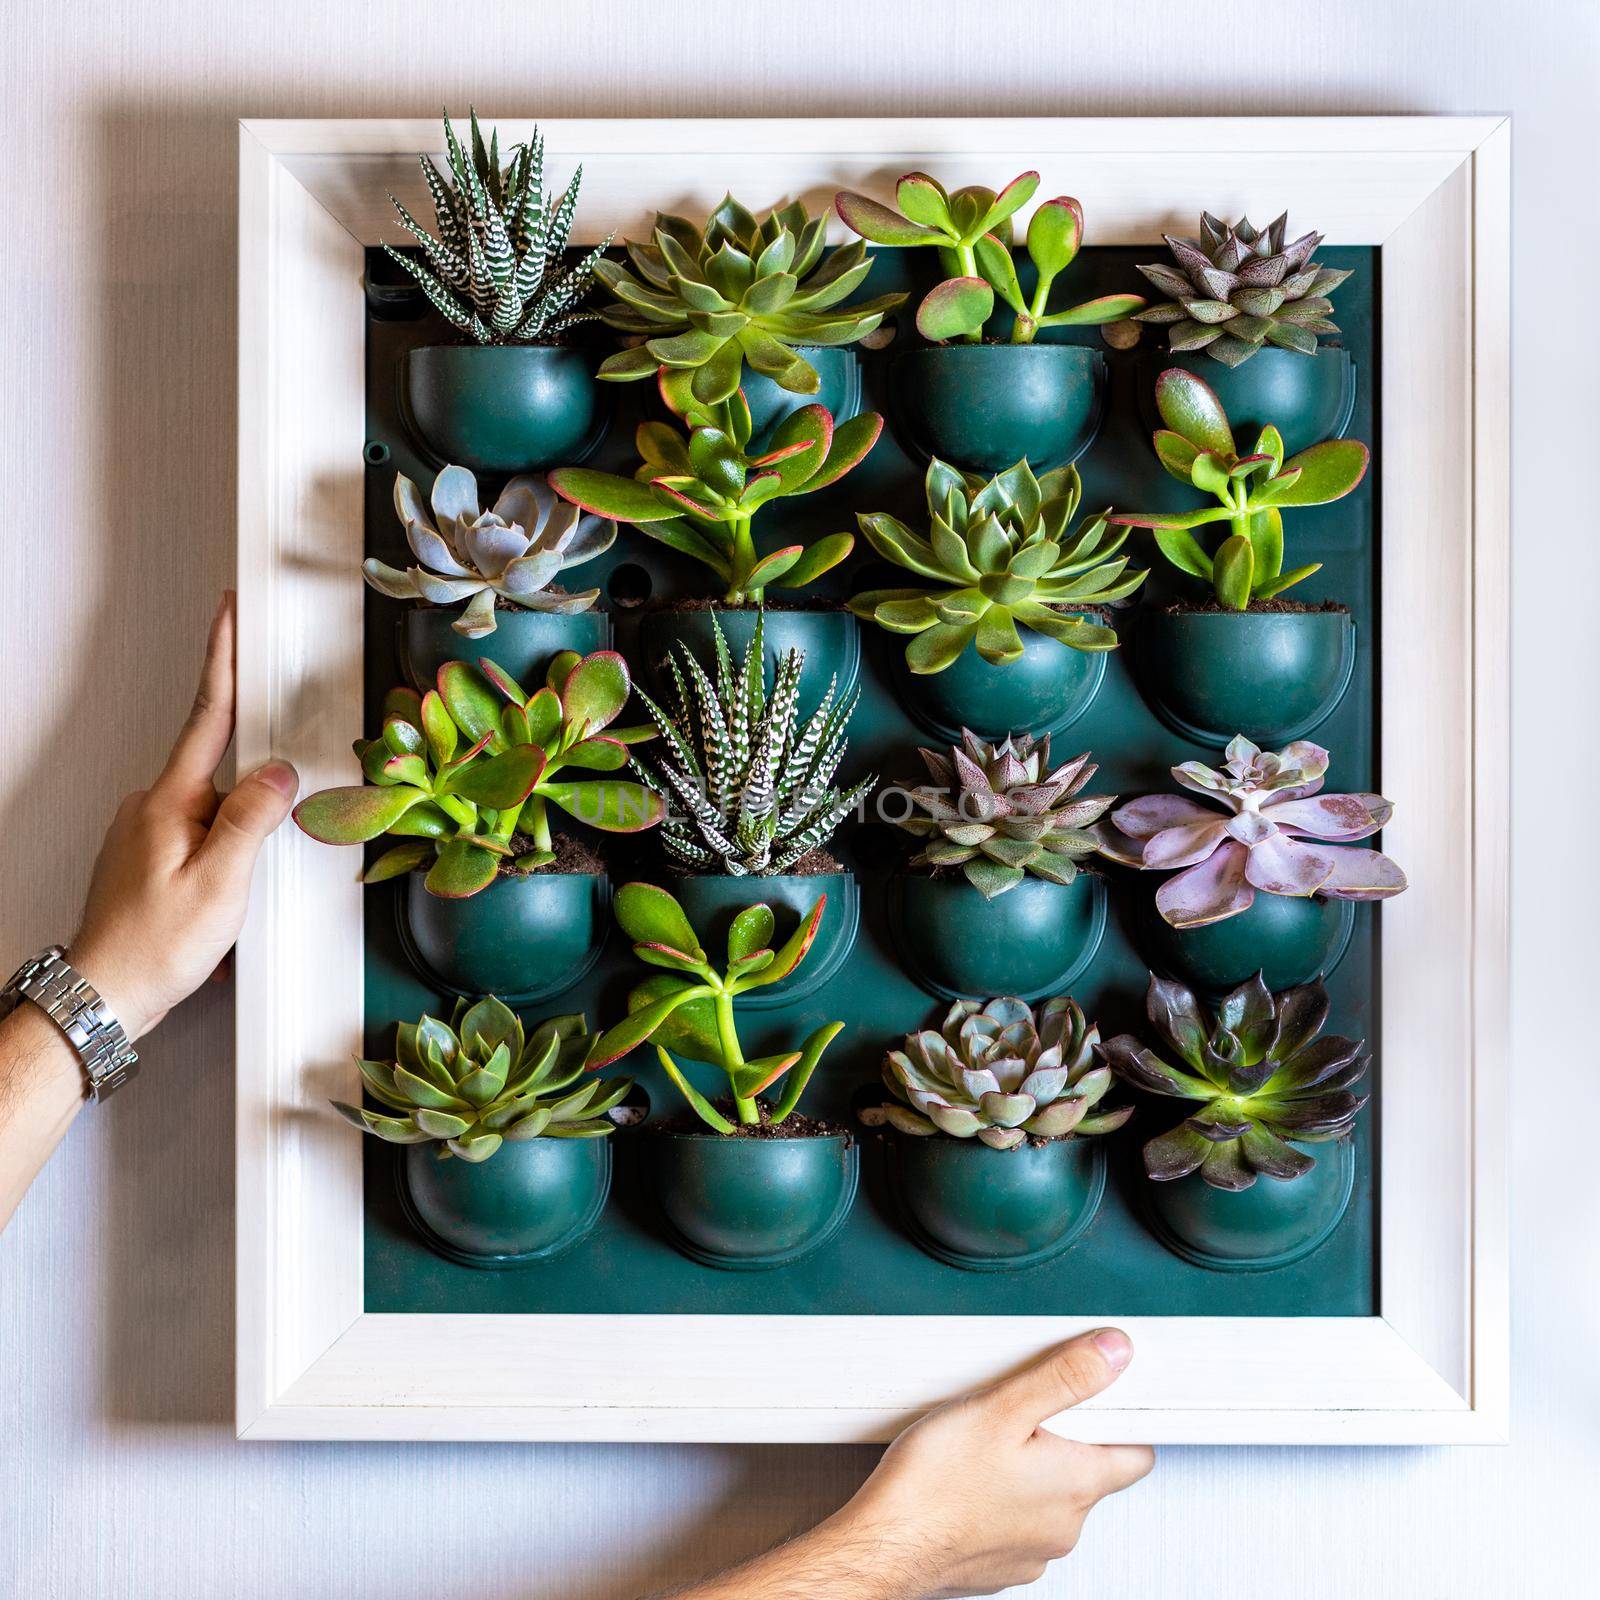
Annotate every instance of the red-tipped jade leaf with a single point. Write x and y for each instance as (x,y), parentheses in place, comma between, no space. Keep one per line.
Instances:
(354,815)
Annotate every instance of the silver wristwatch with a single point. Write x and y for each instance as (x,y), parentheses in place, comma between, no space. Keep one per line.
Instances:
(74,1004)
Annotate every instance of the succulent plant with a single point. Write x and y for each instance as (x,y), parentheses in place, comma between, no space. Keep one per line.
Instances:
(1261,1073)
(699,493)
(709,300)
(972,230)
(511,554)
(493,268)
(1196,447)
(689,1007)
(1001,812)
(467,770)
(472,1083)
(999,1071)
(1273,833)
(999,556)
(747,784)
(1235,291)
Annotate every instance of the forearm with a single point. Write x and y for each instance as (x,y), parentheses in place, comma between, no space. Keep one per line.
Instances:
(843,1558)
(41,1091)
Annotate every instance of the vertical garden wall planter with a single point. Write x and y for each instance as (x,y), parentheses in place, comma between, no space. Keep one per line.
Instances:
(532,1200)
(712,900)
(838,369)
(1045,691)
(1031,941)
(1271,1224)
(504,408)
(1306,398)
(522,643)
(1270,675)
(1287,938)
(996,1210)
(745,1204)
(524,938)
(830,640)
(983,408)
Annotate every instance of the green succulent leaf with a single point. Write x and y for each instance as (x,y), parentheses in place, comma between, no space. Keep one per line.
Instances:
(955,309)
(1190,408)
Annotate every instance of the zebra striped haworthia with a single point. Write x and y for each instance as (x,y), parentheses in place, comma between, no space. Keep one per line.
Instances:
(494,267)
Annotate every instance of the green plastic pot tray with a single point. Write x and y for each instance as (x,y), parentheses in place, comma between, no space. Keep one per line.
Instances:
(630,1261)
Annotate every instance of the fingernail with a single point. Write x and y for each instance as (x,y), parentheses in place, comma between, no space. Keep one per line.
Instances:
(1115,1346)
(281,776)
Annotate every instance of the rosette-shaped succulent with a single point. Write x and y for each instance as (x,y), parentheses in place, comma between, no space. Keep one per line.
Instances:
(494,267)
(1263,1073)
(1268,827)
(470,1084)
(737,290)
(1001,812)
(750,785)
(997,555)
(1235,290)
(1001,1071)
(511,553)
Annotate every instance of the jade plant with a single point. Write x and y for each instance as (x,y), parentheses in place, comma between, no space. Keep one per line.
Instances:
(1234,290)
(998,556)
(466,774)
(508,556)
(1263,1075)
(699,492)
(1267,828)
(972,230)
(1000,1071)
(1196,447)
(708,300)
(748,784)
(1001,812)
(492,267)
(689,1007)
(470,1084)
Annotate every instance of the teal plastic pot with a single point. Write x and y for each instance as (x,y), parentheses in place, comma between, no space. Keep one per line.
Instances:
(1270,675)
(503,408)
(1306,398)
(839,374)
(996,1210)
(522,642)
(530,1201)
(1289,939)
(749,1204)
(1045,690)
(1031,941)
(712,902)
(1270,1224)
(984,407)
(831,641)
(524,938)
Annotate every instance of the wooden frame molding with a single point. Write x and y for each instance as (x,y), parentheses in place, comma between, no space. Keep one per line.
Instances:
(1433,1366)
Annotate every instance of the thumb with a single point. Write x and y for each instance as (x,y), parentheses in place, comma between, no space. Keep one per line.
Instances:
(257,804)
(1063,1377)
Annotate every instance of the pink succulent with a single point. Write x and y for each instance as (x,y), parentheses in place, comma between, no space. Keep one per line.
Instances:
(1274,838)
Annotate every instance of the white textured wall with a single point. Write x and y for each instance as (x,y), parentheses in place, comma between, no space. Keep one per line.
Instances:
(119,1476)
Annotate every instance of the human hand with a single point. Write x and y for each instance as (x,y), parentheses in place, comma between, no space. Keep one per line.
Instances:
(976,1496)
(172,879)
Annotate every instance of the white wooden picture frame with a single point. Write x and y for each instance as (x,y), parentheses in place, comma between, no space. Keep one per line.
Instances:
(1432,1366)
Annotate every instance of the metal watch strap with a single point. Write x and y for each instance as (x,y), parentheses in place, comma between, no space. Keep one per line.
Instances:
(75,1006)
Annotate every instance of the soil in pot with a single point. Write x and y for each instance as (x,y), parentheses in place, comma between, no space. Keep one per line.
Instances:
(759,1198)
(1273,673)
(984,407)
(523,641)
(1030,941)
(532,1200)
(996,1210)
(504,408)
(527,937)
(1271,1224)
